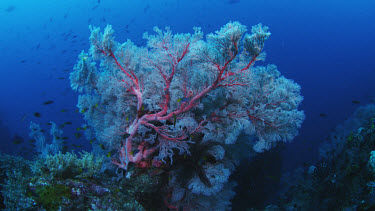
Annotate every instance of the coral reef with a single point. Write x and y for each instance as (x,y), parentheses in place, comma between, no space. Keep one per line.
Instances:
(24,187)
(344,177)
(179,103)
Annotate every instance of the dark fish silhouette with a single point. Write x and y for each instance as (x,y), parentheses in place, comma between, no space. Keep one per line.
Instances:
(78,135)
(146,8)
(10,9)
(23,117)
(355,102)
(17,139)
(48,102)
(233,1)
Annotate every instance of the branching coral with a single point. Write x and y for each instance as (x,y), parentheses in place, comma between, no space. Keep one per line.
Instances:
(154,103)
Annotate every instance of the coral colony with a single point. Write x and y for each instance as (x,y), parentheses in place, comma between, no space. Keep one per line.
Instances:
(169,123)
(183,101)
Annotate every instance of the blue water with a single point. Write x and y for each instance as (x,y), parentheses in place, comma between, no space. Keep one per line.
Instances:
(327,47)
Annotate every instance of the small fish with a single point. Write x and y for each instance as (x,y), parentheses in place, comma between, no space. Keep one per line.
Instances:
(77,145)
(78,128)
(323,115)
(355,102)
(135,151)
(183,99)
(61,78)
(64,110)
(17,140)
(96,105)
(233,1)
(49,123)
(65,148)
(42,131)
(10,8)
(78,135)
(36,114)
(146,8)
(109,154)
(48,102)
(64,138)
(23,61)
(67,123)
(127,118)
(92,140)
(125,136)
(174,120)
(23,117)
(102,146)
(157,172)
(32,141)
